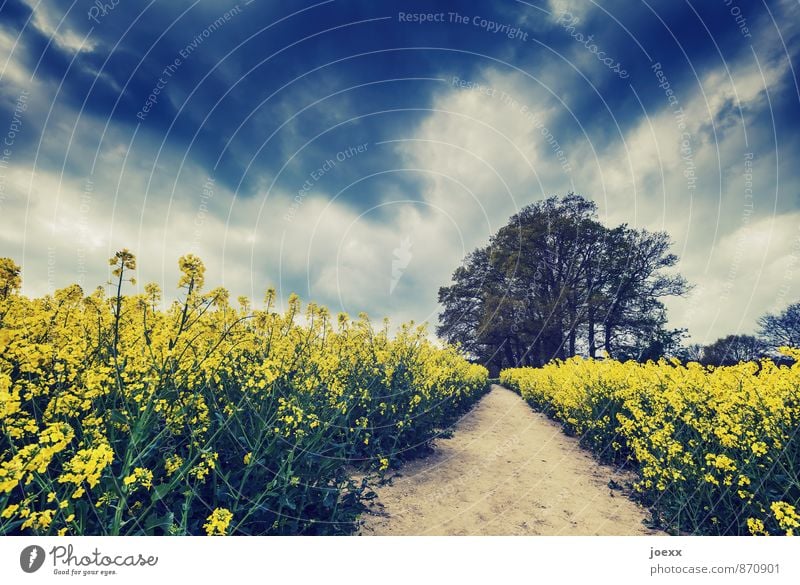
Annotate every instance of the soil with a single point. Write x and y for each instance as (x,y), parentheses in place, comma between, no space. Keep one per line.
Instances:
(506,470)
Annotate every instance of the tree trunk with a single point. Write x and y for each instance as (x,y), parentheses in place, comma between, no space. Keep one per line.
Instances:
(509,353)
(539,352)
(560,349)
(607,343)
(519,352)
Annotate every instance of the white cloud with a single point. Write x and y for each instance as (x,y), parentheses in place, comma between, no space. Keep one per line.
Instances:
(639,178)
(13,74)
(48,20)
(327,253)
(578,8)
(754,273)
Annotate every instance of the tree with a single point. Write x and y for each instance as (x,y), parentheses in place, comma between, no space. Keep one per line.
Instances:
(782,328)
(633,313)
(544,253)
(733,349)
(463,301)
(690,353)
(10,281)
(555,282)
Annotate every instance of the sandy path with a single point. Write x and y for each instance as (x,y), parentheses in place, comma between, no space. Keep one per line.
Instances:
(506,470)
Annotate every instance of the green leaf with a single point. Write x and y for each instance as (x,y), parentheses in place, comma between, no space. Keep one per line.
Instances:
(154,522)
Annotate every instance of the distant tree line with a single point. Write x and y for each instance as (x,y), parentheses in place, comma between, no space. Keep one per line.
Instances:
(555,282)
(775,330)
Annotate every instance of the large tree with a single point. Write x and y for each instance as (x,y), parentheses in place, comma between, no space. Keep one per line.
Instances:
(554,282)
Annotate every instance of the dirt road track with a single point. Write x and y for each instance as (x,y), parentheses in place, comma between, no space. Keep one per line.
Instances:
(506,470)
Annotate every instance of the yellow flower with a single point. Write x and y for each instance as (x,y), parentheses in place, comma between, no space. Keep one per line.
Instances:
(103,500)
(207,464)
(689,429)
(39,520)
(247,458)
(756,527)
(141,477)
(172,464)
(786,515)
(217,522)
(87,465)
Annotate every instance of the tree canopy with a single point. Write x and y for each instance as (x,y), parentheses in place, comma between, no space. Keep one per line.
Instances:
(555,282)
(732,349)
(781,329)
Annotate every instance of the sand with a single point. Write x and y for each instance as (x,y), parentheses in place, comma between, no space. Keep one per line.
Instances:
(506,470)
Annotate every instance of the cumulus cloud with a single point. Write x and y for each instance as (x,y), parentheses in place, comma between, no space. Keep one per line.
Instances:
(714,197)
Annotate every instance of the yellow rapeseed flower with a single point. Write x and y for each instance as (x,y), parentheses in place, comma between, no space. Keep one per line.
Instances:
(141,477)
(217,522)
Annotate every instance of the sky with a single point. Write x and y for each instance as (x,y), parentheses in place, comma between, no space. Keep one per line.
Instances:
(354,152)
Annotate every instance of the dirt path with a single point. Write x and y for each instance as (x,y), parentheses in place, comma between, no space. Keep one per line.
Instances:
(506,470)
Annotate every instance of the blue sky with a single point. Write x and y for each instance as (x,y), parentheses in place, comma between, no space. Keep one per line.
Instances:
(348,152)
